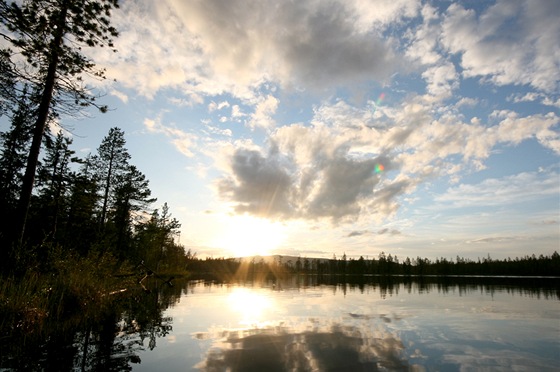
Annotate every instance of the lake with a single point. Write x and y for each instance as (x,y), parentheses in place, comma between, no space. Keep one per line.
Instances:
(306,323)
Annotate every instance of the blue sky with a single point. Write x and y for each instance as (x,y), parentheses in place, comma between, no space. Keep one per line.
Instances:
(264,124)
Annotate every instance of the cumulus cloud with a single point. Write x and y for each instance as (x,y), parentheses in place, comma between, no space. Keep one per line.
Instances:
(259,185)
(509,43)
(424,40)
(441,80)
(327,168)
(308,173)
(213,47)
(262,117)
(306,43)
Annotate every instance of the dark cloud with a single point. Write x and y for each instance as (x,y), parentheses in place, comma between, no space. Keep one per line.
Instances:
(358,233)
(339,188)
(324,48)
(308,44)
(384,231)
(278,349)
(259,185)
(388,231)
(345,182)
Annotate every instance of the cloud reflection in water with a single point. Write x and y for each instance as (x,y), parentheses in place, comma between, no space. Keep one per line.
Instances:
(338,348)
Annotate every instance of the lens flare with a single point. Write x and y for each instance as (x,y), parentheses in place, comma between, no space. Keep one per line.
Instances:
(379,168)
(377,103)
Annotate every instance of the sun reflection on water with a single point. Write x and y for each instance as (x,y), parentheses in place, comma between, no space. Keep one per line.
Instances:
(252,306)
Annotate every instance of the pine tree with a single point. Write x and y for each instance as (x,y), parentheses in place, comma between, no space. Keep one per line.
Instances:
(110,163)
(14,144)
(80,230)
(53,180)
(132,195)
(155,239)
(50,36)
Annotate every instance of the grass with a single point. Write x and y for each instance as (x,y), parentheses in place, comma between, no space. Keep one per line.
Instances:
(63,293)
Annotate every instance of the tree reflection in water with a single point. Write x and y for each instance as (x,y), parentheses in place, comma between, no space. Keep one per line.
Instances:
(340,348)
(109,339)
(114,338)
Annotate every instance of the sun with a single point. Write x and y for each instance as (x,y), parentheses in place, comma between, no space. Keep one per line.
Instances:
(249,236)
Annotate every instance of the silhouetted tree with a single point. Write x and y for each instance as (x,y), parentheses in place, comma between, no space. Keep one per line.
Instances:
(14,147)
(131,195)
(81,223)
(110,163)
(50,36)
(53,181)
(155,240)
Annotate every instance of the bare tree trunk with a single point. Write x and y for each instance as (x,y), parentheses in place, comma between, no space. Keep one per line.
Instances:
(39,128)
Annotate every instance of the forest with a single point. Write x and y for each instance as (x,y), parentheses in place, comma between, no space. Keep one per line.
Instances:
(383,265)
(55,203)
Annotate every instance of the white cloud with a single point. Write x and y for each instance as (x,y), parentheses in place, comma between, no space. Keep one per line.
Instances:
(381,13)
(527,97)
(183,141)
(213,47)
(548,101)
(328,166)
(467,101)
(213,106)
(425,39)
(441,80)
(520,188)
(120,95)
(236,112)
(511,42)
(264,110)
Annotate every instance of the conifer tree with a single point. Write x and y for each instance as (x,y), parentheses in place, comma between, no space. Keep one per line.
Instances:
(155,238)
(14,143)
(110,163)
(132,195)
(80,230)
(54,178)
(50,35)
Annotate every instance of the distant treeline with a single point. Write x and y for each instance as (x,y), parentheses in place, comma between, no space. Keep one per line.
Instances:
(384,265)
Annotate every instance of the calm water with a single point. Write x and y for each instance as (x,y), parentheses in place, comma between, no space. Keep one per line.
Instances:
(344,327)
(303,324)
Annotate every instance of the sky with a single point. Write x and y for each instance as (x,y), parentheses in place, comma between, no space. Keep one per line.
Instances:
(317,128)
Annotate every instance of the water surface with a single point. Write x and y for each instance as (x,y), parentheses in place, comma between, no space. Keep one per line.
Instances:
(307,323)
(300,324)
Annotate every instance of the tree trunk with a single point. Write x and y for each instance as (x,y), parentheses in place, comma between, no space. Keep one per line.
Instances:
(39,128)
